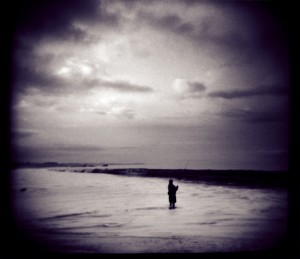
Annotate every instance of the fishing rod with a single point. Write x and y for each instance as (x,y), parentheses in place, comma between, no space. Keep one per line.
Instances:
(187,164)
(179,179)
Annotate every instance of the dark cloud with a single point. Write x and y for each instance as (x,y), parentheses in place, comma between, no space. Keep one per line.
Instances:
(259,91)
(47,21)
(254,116)
(200,34)
(121,86)
(23,133)
(35,77)
(168,22)
(196,87)
(55,19)
(188,89)
(266,35)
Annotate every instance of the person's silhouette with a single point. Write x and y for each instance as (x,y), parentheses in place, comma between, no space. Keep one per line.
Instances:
(172,189)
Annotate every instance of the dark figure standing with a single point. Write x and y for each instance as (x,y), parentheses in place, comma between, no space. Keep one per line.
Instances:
(172,189)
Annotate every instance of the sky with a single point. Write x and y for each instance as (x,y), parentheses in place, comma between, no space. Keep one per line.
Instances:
(163,82)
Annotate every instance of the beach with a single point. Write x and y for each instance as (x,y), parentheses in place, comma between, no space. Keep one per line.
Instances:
(65,211)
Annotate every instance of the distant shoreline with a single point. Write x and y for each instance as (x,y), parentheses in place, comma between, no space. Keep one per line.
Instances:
(242,178)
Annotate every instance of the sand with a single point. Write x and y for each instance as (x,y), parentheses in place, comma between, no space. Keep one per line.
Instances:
(69,212)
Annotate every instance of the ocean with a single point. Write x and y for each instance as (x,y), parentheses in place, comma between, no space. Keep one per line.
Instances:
(63,210)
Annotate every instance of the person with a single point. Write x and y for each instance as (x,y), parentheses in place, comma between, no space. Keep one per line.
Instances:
(172,189)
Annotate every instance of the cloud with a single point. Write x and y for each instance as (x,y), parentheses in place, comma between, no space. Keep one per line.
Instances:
(40,23)
(68,79)
(170,22)
(188,89)
(85,73)
(98,111)
(122,112)
(118,111)
(242,31)
(258,91)
(58,20)
(203,32)
(254,116)
(31,77)
(121,86)
(20,134)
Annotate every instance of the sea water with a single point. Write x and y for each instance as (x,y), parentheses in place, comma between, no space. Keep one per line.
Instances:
(60,204)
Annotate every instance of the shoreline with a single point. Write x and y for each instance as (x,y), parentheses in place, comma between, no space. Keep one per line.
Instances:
(237,178)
